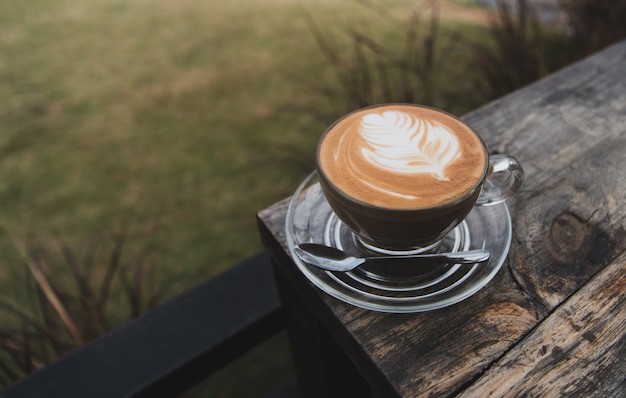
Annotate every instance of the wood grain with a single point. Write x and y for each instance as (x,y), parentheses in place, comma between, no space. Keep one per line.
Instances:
(580,348)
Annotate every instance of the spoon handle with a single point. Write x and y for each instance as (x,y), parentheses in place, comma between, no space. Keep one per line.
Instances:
(467,257)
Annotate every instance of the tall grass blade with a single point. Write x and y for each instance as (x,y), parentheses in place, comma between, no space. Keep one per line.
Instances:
(114,261)
(81,279)
(56,303)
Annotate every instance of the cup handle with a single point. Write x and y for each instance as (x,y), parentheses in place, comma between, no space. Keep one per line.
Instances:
(504,178)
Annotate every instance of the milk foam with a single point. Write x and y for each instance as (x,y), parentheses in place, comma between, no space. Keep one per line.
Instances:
(402,156)
(403,143)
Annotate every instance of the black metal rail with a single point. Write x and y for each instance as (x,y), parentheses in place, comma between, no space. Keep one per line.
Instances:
(174,346)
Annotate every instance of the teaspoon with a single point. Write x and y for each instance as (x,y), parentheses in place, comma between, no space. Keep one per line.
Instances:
(333,259)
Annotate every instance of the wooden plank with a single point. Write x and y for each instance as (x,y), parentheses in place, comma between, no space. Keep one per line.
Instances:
(569,132)
(580,348)
(271,222)
(437,353)
(324,370)
(331,313)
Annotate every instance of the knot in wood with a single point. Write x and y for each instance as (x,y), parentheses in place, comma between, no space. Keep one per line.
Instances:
(570,240)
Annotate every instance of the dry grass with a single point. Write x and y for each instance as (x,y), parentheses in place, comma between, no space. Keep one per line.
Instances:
(76,296)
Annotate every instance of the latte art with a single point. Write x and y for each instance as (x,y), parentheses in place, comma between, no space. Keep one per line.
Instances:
(402,143)
(402,156)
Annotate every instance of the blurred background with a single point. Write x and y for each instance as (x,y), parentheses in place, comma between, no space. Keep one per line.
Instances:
(138,138)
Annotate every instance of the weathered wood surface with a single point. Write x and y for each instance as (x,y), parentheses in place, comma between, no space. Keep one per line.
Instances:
(578,349)
(569,132)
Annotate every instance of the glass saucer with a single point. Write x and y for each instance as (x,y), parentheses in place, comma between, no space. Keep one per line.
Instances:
(403,289)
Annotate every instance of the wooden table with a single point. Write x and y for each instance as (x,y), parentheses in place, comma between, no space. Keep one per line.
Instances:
(552,322)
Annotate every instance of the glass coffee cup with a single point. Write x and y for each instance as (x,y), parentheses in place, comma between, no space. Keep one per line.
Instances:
(402,176)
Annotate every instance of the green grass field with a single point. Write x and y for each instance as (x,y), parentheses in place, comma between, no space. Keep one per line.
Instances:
(174,119)
(162,117)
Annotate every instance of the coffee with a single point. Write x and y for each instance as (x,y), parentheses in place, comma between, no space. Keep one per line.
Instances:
(402,176)
(402,157)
